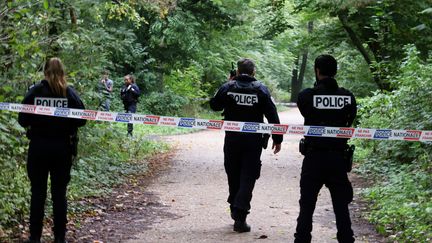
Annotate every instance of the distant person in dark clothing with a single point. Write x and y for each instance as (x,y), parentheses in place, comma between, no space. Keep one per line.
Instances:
(129,95)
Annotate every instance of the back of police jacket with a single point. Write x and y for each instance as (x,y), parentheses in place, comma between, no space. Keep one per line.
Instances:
(248,100)
(327,105)
(49,126)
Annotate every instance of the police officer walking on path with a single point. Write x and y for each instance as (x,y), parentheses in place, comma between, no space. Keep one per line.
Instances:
(129,95)
(327,160)
(53,142)
(248,100)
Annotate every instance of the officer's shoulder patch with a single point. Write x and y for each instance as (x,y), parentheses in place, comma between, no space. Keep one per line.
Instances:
(36,85)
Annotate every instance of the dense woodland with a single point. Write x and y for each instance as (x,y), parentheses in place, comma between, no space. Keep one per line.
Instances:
(181,50)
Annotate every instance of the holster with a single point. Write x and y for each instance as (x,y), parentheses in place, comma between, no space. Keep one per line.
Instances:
(265,140)
(302,146)
(349,156)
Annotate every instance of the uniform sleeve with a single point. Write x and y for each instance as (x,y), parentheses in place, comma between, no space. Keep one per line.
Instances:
(24,119)
(217,103)
(270,112)
(353,111)
(77,104)
(135,90)
(304,102)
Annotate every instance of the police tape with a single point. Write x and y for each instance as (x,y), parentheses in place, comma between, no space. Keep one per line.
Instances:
(247,127)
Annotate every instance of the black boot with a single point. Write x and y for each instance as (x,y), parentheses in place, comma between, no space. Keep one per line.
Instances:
(239,216)
(241,226)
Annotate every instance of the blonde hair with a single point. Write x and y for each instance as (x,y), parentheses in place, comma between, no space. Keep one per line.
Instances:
(55,75)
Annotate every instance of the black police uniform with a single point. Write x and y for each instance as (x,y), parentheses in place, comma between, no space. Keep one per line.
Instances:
(129,95)
(50,152)
(325,161)
(244,99)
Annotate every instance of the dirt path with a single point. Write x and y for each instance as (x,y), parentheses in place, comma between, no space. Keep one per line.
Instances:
(192,197)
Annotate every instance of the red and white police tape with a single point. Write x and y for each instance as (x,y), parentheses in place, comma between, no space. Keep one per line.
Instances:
(250,127)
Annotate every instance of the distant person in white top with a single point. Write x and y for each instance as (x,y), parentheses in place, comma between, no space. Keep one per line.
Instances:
(106,88)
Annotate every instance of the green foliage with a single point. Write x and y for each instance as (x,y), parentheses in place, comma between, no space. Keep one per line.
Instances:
(402,206)
(401,197)
(185,83)
(107,155)
(183,51)
(12,167)
(166,103)
(124,10)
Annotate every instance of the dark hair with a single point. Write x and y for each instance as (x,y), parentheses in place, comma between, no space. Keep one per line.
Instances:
(131,77)
(327,65)
(245,66)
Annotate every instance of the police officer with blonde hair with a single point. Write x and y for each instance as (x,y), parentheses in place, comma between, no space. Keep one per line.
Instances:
(53,142)
(327,160)
(244,99)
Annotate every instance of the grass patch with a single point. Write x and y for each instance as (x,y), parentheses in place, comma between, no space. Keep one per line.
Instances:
(400,199)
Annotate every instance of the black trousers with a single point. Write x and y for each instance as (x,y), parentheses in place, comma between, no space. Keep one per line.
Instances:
(242,163)
(329,169)
(130,108)
(48,156)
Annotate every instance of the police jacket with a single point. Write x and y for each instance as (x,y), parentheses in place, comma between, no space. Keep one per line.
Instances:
(49,126)
(129,94)
(327,105)
(247,100)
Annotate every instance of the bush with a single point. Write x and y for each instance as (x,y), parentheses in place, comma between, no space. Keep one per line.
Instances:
(166,103)
(402,196)
(13,175)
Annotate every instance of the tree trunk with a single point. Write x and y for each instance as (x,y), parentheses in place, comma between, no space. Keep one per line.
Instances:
(73,17)
(304,59)
(295,88)
(359,45)
(6,59)
(298,77)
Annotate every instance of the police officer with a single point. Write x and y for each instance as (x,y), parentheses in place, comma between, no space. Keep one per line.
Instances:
(325,161)
(52,145)
(248,100)
(129,95)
